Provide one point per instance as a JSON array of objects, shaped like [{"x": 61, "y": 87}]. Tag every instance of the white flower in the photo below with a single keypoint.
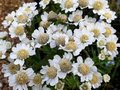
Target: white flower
[
  {"x": 3, "y": 34},
  {"x": 69, "y": 5},
  {"x": 64, "y": 64},
  {"x": 41, "y": 37},
  {"x": 59, "y": 39},
  {"x": 84, "y": 37},
  {"x": 8, "y": 19},
  {"x": 101, "y": 42},
  {"x": 112, "y": 45},
  {"x": 50, "y": 74},
  {"x": 17, "y": 30},
  {"x": 19, "y": 80},
  {"x": 109, "y": 30},
  {"x": 98, "y": 6},
  {"x": 84, "y": 69},
  {"x": 101, "y": 56},
  {"x": 22, "y": 51},
  {"x": 4, "y": 46},
  {"x": 10, "y": 69},
  {"x": 85, "y": 86},
  {"x": 108, "y": 15},
  {"x": 36, "y": 82},
  {"x": 44, "y": 3},
  {"x": 96, "y": 80},
  {"x": 106, "y": 78},
  {"x": 75, "y": 17},
  {"x": 97, "y": 28}
]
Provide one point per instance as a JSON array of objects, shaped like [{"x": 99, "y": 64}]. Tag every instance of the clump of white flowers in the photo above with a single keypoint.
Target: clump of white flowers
[{"x": 47, "y": 44}]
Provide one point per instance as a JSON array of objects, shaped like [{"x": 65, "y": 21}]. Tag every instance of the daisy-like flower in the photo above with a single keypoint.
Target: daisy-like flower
[
  {"x": 69, "y": 5},
  {"x": 106, "y": 78},
  {"x": 19, "y": 80},
  {"x": 44, "y": 3},
  {"x": 36, "y": 82},
  {"x": 10, "y": 69},
  {"x": 84, "y": 37},
  {"x": 109, "y": 30},
  {"x": 4, "y": 46},
  {"x": 26, "y": 13},
  {"x": 50, "y": 74},
  {"x": 41, "y": 37},
  {"x": 59, "y": 39},
  {"x": 101, "y": 42},
  {"x": 86, "y": 22},
  {"x": 17, "y": 30},
  {"x": 98, "y": 6},
  {"x": 21, "y": 17},
  {"x": 97, "y": 29},
  {"x": 108, "y": 15},
  {"x": 84, "y": 69},
  {"x": 96, "y": 80},
  {"x": 85, "y": 86},
  {"x": 30, "y": 9},
  {"x": 75, "y": 17},
  {"x": 21, "y": 52},
  {"x": 8, "y": 19},
  {"x": 64, "y": 64},
  {"x": 3, "y": 34},
  {"x": 83, "y": 3},
  {"x": 112, "y": 45}
]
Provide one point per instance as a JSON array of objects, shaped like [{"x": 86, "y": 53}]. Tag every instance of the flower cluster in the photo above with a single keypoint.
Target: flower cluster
[{"x": 62, "y": 30}]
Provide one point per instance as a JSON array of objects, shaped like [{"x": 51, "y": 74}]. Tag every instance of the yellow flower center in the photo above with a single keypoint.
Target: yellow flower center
[
  {"x": 60, "y": 41},
  {"x": 52, "y": 15},
  {"x": 111, "y": 46},
  {"x": 22, "y": 18},
  {"x": 19, "y": 30},
  {"x": 108, "y": 15},
  {"x": 71, "y": 45},
  {"x": 13, "y": 68},
  {"x": 23, "y": 54},
  {"x": 22, "y": 78},
  {"x": 83, "y": 3},
  {"x": 37, "y": 79},
  {"x": 52, "y": 72},
  {"x": 62, "y": 17},
  {"x": 65, "y": 65},
  {"x": 96, "y": 32},
  {"x": 84, "y": 38},
  {"x": 68, "y": 4},
  {"x": 43, "y": 38},
  {"x": 84, "y": 69},
  {"x": 95, "y": 79},
  {"x": 108, "y": 32},
  {"x": 98, "y": 5},
  {"x": 45, "y": 24},
  {"x": 76, "y": 18}
]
